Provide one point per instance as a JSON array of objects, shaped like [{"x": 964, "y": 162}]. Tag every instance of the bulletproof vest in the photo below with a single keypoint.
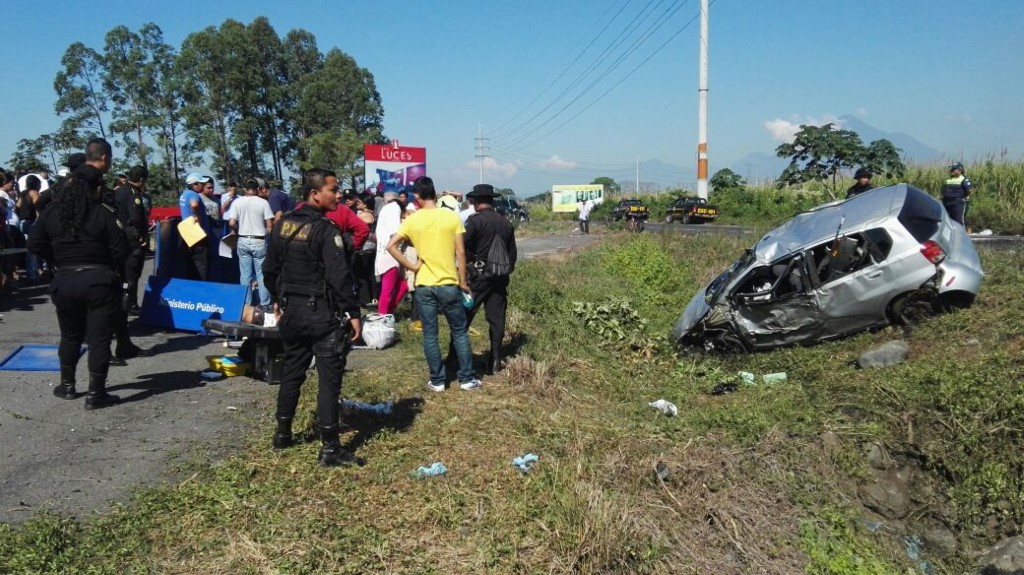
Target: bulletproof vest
[
  {"x": 302, "y": 272},
  {"x": 954, "y": 187}
]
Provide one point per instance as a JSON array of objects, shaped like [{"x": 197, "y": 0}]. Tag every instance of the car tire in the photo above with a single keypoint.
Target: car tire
[
  {"x": 910, "y": 309},
  {"x": 668, "y": 219},
  {"x": 686, "y": 219}
]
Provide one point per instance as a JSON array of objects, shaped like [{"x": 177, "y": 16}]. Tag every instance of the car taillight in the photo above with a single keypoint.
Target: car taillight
[{"x": 933, "y": 252}]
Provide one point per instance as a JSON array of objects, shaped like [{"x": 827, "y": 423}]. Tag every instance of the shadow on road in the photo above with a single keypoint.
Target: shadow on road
[{"x": 150, "y": 385}]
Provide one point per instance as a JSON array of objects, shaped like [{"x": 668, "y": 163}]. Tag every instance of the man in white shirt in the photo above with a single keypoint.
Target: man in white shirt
[
  {"x": 585, "y": 209},
  {"x": 251, "y": 218}
]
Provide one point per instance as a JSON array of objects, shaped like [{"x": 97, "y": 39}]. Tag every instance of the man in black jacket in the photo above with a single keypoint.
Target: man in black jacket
[
  {"x": 863, "y": 177},
  {"x": 487, "y": 279},
  {"x": 308, "y": 273},
  {"x": 132, "y": 213}
]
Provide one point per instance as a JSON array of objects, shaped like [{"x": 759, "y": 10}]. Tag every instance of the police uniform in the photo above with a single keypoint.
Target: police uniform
[
  {"x": 482, "y": 229},
  {"x": 132, "y": 213},
  {"x": 85, "y": 291},
  {"x": 954, "y": 197},
  {"x": 307, "y": 271},
  {"x": 858, "y": 189}
]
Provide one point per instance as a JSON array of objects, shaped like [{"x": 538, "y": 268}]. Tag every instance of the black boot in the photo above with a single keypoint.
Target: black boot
[
  {"x": 283, "y": 435},
  {"x": 128, "y": 350},
  {"x": 66, "y": 388},
  {"x": 331, "y": 452},
  {"x": 98, "y": 398},
  {"x": 496, "y": 361}
]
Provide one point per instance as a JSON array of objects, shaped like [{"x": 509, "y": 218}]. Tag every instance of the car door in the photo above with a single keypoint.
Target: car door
[
  {"x": 853, "y": 294},
  {"x": 775, "y": 306}
]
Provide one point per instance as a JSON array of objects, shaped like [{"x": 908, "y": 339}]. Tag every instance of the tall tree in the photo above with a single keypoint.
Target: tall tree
[
  {"x": 819, "y": 153},
  {"x": 882, "y": 157},
  {"x": 302, "y": 58},
  {"x": 203, "y": 67},
  {"x": 27, "y": 155},
  {"x": 79, "y": 88},
  {"x": 339, "y": 111},
  {"x": 129, "y": 78},
  {"x": 610, "y": 185},
  {"x": 726, "y": 179},
  {"x": 168, "y": 102}
]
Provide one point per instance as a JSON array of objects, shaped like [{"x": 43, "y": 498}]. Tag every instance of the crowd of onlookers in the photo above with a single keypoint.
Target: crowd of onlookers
[
  {"x": 248, "y": 212},
  {"x": 22, "y": 198}
]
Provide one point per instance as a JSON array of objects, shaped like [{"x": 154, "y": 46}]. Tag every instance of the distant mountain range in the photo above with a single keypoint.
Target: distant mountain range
[
  {"x": 760, "y": 167},
  {"x": 756, "y": 167}
]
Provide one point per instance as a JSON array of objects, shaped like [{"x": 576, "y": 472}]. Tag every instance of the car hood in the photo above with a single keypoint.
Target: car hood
[{"x": 693, "y": 313}]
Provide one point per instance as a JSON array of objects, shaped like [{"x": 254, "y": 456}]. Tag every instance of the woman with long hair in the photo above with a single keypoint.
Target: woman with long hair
[
  {"x": 26, "y": 209},
  {"x": 85, "y": 242}
]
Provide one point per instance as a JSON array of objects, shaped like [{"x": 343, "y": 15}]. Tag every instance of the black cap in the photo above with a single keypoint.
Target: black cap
[
  {"x": 863, "y": 173},
  {"x": 957, "y": 166},
  {"x": 137, "y": 174},
  {"x": 75, "y": 160}
]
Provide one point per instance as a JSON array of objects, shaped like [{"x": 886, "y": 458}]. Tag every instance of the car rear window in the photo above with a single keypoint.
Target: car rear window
[{"x": 921, "y": 214}]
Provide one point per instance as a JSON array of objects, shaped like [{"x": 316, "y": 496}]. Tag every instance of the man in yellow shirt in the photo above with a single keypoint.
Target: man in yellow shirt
[{"x": 441, "y": 282}]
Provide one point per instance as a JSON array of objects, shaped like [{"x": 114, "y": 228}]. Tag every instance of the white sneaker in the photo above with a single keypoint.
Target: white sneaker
[
  {"x": 471, "y": 384},
  {"x": 433, "y": 387}
]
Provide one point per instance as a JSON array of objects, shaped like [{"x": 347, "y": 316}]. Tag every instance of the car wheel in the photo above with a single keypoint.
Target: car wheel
[
  {"x": 686, "y": 219},
  {"x": 912, "y": 308},
  {"x": 668, "y": 219}
]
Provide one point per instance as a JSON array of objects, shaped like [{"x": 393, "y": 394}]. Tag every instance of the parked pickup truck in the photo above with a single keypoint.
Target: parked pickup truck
[
  {"x": 690, "y": 211},
  {"x": 630, "y": 208}
]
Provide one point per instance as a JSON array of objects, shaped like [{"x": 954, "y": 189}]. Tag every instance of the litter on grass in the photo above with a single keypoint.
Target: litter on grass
[
  {"x": 435, "y": 469},
  {"x": 665, "y": 407},
  {"x": 525, "y": 462}
]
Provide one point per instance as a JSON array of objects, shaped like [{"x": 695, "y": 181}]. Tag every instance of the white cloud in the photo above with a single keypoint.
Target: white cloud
[
  {"x": 556, "y": 163},
  {"x": 784, "y": 130},
  {"x": 494, "y": 170}
]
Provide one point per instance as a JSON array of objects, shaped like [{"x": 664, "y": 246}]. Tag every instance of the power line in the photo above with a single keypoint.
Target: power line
[
  {"x": 617, "y": 84},
  {"x": 593, "y": 39},
  {"x": 637, "y": 20}
]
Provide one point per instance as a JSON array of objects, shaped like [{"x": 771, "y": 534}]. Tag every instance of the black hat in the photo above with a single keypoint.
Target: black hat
[
  {"x": 863, "y": 173},
  {"x": 482, "y": 191},
  {"x": 957, "y": 166},
  {"x": 75, "y": 160}
]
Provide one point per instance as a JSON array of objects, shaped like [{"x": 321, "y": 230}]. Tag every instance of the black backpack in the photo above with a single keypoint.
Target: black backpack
[{"x": 499, "y": 264}]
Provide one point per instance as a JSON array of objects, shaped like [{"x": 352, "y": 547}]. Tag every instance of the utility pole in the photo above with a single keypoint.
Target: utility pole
[
  {"x": 702, "y": 114},
  {"x": 638, "y": 176},
  {"x": 481, "y": 148}
]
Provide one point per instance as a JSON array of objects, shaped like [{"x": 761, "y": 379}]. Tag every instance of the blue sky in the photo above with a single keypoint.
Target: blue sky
[{"x": 947, "y": 73}]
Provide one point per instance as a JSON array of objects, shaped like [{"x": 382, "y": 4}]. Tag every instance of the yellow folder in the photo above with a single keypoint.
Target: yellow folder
[{"x": 191, "y": 231}]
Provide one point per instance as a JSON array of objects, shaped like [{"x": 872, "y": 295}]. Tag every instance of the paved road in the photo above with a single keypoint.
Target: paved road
[{"x": 56, "y": 456}]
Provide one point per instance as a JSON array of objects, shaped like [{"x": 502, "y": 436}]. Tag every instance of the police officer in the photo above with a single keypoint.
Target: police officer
[
  {"x": 483, "y": 228},
  {"x": 307, "y": 271},
  {"x": 92, "y": 172},
  {"x": 132, "y": 213},
  {"x": 86, "y": 243},
  {"x": 863, "y": 177},
  {"x": 956, "y": 193}
]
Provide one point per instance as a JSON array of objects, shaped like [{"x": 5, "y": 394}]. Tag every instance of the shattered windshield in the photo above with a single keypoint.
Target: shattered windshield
[{"x": 715, "y": 288}]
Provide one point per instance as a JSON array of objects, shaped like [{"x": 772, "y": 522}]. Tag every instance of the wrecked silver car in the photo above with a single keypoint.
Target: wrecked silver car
[{"x": 890, "y": 255}]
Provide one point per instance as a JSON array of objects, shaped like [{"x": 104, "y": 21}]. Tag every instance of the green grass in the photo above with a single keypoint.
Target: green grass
[{"x": 751, "y": 489}]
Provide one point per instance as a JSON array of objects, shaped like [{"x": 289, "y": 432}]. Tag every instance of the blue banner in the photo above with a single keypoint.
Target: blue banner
[{"x": 184, "y": 304}]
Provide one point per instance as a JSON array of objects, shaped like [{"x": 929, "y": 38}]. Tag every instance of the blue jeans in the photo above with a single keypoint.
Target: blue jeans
[
  {"x": 251, "y": 253},
  {"x": 31, "y": 259},
  {"x": 432, "y": 301}
]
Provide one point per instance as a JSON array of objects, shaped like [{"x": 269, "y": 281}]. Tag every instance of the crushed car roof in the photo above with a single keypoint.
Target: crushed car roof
[{"x": 822, "y": 222}]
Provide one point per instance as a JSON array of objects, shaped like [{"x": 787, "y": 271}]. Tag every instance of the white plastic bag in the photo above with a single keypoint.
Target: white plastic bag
[{"x": 379, "y": 330}]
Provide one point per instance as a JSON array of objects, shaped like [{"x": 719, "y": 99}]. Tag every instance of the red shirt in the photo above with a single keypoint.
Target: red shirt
[{"x": 348, "y": 221}]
